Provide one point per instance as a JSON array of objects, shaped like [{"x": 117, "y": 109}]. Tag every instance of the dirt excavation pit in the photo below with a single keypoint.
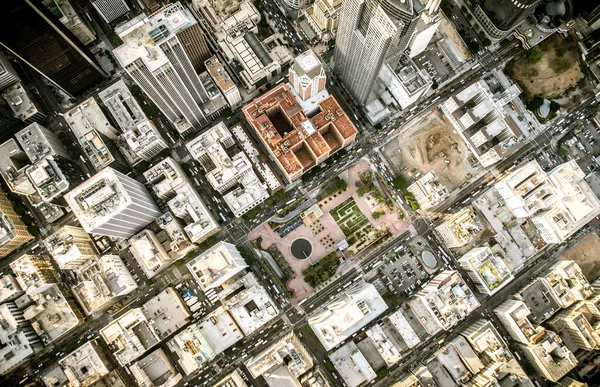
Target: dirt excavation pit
[{"x": 430, "y": 143}]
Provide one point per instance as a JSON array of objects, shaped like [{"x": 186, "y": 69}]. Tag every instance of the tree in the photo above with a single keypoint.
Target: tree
[
  {"x": 148, "y": 282},
  {"x": 279, "y": 195},
  {"x": 331, "y": 43},
  {"x": 400, "y": 182},
  {"x": 561, "y": 51},
  {"x": 486, "y": 41},
  {"x": 377, "y": 214},
  {"x": 533, "y": 55},
  {"x": 504, "y": 42},
  {"x": 562, "y": 152}
]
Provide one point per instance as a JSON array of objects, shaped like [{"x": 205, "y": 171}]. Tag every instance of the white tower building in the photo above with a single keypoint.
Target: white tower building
[
  {"x": 160, "y": 53},
  {"x": 112, "y": 204}
]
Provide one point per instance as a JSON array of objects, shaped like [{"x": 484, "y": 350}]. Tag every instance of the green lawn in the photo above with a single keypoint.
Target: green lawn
[{"x": 348, "y": 216}]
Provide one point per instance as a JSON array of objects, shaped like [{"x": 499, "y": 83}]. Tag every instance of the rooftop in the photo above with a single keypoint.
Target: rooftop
[
  {"x": 250, "y": 304},
  {"x": 216, "y": 265},
  {"x": 219, "y": 74},
  {"x": 489, "y": 270},
  {"x": 98, "y": 199},
  {"x": 84, "y": 366},
  {"x": 352, "y": 365},
  {"x": 129, "y": 336},
  {"x": 280, "y": 122},
  {"x": 9, "y": 288},
  {"x": 20, "y": 103},
  {"x": 166, "y": 312},
  {"x": 141, "y": 138},
  {"x": 142, "y": 35},
  {"x": 32, "y": 271},
  {"x": 155, "y": 369},
  {"x": 443, "y": 302},
  {"x": 51, "y": 314},
  {"x": 38, "y": 143},
  {"x": 286, "y": 356},
  {"x": 101, "y": 281},
  {"x": 149, "y": 252},
  {"x": 346, "y": 314},
  {"x": 70, "y": 247},
  {"x": 200, "y": 342},
  {"x": 122, "y": 105},
  {"x": 428, "y": 190},
  {"x": 15, "y": 345},
  {"x": 89, "y": 124}
]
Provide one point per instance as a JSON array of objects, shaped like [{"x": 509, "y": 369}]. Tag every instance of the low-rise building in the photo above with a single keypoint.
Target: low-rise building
[
  {"x": 477, "y": 113},
  {"x": 85, "y": 366},
  {"x": 488, "y": 271},
  {"x": 352, "y": 365},
  {"x": 112, "y": 204},
  {"x": 234, "y": 379},
  {"x": 428, "y": 191},
  {"x": 557, "y": 288},
  {"x": 226, "y": 172},
  {"x": 176, "y": 243},
  {"x": 18, "y": 341},
  {"x": 141, "y": 142},
  {"x": 52, "y": 312},
  {"x": 149, "y": 253},
  {"x": 33, "y": 271},
  {"x": 223, "y": 81},
  {"x": 133, "y": 333},
  {"x": 345, "y": 315},
  {"x": 386, "y": 345},
  {"x": 559, "y": 202},
  {"x": 549, "y": 356},
  {"x": 217, "y": 265},
  {"x": 70, "y": 247},
  {"x": 581, "y": 323},
  {"x": 443, "y": 302},
  {"x": 102, "y": 281},
  {"x": 122, "y": 105},
  {"x": 296, "y": 142},
  {"x": 9, "y": 288},
  {"x": 13, "y": 232},
  {"x": 155, "y": 369},
  {"x": 94, "y": 133},
  {"x": 236, "y": 33},
  {"x": 170, "y": 184},
  {"x": 459, "y": 229},
  {"x": 201, "y": 341},
  {"x": 249, "y": 304},
  {"x": 323, "y": 17},
  {"x": 258, "y": 160},
  {"x": 282, "y": 363}
]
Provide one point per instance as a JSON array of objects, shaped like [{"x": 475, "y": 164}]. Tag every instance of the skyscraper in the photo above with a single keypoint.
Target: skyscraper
[
  {"x": 13, "y": 232},
  {"x": 374, "y": 32},
  {"x": 34, "y": 35},
  {"x": 364, "y": 38},
  {"x": 163, "y": 54},
  {"x": 499, "y": 17}
]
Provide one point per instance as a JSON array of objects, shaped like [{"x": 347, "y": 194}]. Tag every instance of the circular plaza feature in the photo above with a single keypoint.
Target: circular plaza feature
[
  {"x": 429, "y": 259},
  {"x": 301, "y": 248}
]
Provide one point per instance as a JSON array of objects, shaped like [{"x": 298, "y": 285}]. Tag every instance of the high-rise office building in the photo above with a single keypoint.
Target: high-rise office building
[
  {"x": 35, "y": 36},
  {"x": 13, "y": 232},
  {"x": 110, "y": 10},
  {"x": 64, "y": 11},
  {"x": 112, "y": 204},
  {"x": 374, "y": 32},
  {"x": 163, "y": 54},
  {"x": 8, "y": 75},
  {"x": 499, "y": 17}
]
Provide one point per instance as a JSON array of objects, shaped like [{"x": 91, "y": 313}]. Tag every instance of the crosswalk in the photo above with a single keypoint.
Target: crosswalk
[{"x": 211, "y": 296}]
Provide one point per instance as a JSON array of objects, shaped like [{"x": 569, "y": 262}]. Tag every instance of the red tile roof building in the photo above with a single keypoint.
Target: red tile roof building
[{"x": 296, "y": 142}]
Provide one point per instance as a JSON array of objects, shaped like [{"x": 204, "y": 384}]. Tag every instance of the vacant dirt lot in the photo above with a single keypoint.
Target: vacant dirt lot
[
  {"x": 587, "y": 255},
  {"x": 552, "y": 75},
  {"x": 431, "y": 144}
]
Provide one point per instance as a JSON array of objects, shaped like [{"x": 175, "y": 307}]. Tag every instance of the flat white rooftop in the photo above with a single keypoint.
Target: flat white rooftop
[{"x": 347, "y": 314}]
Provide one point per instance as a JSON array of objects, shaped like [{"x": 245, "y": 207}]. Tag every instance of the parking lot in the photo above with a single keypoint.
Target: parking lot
[
  {"x": 399, "y": 271},
  {"x": 582, "y": 145},
  {"x": 199, "y": 303}
]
